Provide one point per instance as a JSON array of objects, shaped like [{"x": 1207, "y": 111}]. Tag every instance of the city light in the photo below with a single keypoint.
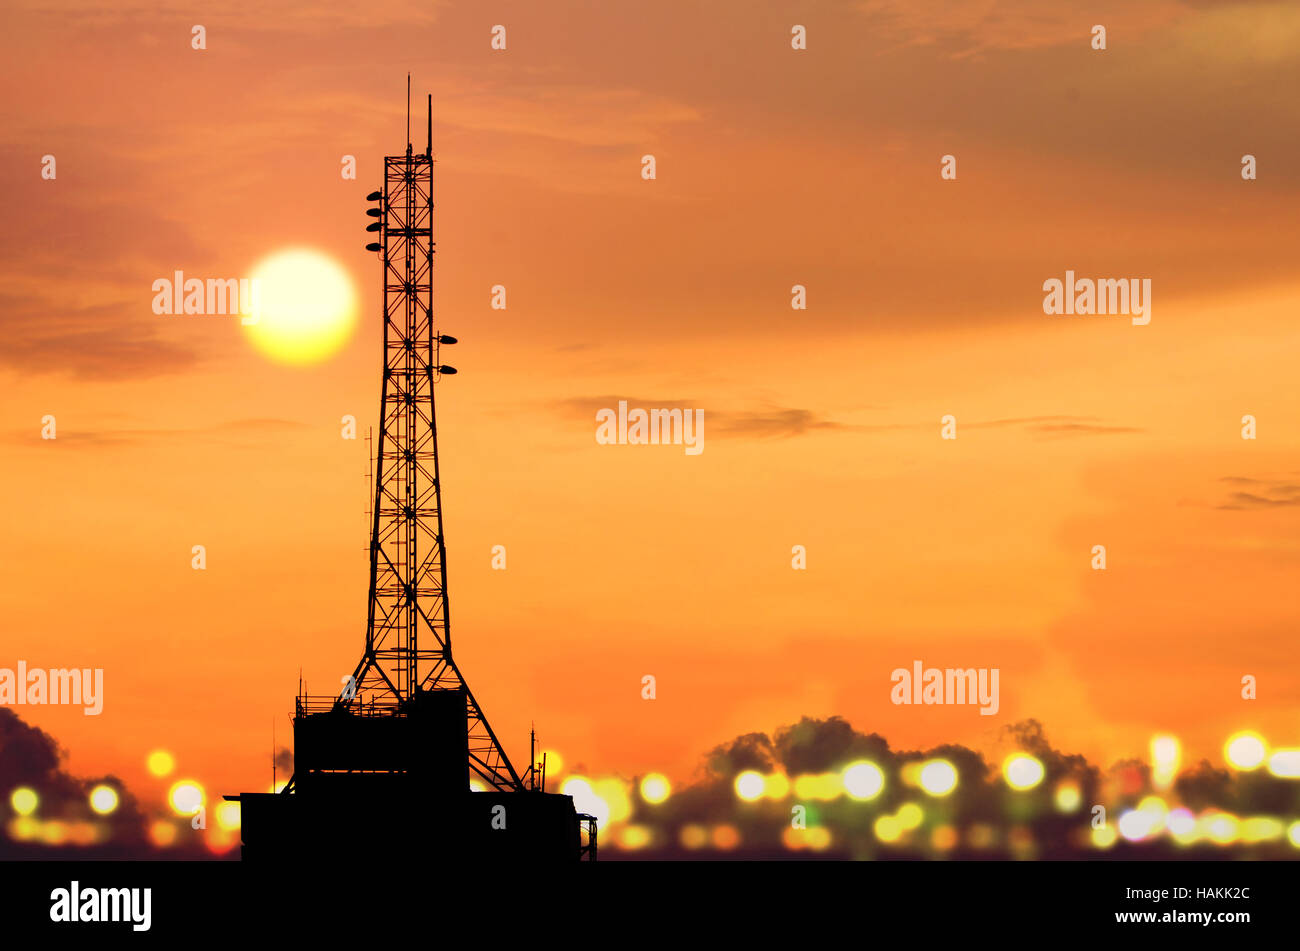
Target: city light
[
  {"x": 863, "y": 780},
  {"x": 1245, "y": 750},
  {"x": 103, "y": 799},
  {"x": 185, "y": 797},
  {"x": 938, "y": 777},
  {"x": 1022, "y": 771},
  {"x": 655, "y": 788},
  {"x": 749, "y": 786},
  {"x": 1166, "y": 753},
  {"x": 160, "y": 763},
  {"x": 24, "y": 800}
]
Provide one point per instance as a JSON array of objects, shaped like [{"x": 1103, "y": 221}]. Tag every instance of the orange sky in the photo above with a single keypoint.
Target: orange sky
[{"x": 775, "y": 167}]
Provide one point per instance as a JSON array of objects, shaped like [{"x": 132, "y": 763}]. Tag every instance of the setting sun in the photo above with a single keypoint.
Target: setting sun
[{"x": 306, "y": 307}]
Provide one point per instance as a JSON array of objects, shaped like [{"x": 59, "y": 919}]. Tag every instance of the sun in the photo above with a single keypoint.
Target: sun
[{"x": 305, "y": 307}]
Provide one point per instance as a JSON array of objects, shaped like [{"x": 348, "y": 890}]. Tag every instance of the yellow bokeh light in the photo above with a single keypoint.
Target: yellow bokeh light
[
  {"x": 24, "y": 800},
  {"x": 554, "y": 762},
  {"x": 655, "y": 788},
  {"x": 749, "y": 785},
  {"x": 307, "y": 307},
  {"x": 614, "y": 794},
  {"x": 1068, "y": 797},
  {"x": 1221, "y": 827},
  {"x": 888, "y": 829},
  {"x": 54, "y": 832},
  {"x": 162, "y": 833},
  {"x": 1261, "y": 829},
  {"x": 185, "y": 797},
  {"x": 1285, "y": 764},
  {"x": 1166, "y": 753},
  {"x": 1293, "y": 833},
  {"x": 633, "y": 837},
  {"x": 944, "y": 838},
  {"x": 938, "y": 777},
  {"x": 693, "y": 836},
  {"x": 1022, "y": 771},
  {"x": 776, "y": 786},
  {"x": 24, "y": 828},
  {"x": 586, "y": 800},
  {"x": 161, "y": 763},
  {"x": 909, "y": 816},
  {"x": 229, "y": 815},
  {"x": 863, "y": 780},
  {"x": 103, "y": 799},
  {"x": 1104, "y": 837},
  {"x": 1245, "y": 750}
]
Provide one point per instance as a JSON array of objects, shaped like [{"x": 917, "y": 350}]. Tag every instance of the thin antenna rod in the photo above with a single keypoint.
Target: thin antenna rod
[
  {"x": 428, "y": 149},
  {"x": 408, "y": 113}
]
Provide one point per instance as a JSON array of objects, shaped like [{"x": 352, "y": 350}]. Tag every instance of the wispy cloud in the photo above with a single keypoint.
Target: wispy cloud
[
  {"x": 112, "y": 438},
  {"x": 1263, "y": 494}
]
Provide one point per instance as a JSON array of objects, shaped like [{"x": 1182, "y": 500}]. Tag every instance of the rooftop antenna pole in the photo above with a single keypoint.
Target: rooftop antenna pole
[
  {"x": 408, "y": 113},
  {"x": 428, "y": 149}
]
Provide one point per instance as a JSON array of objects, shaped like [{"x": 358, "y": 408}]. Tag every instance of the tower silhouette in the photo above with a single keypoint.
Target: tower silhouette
[
  {"x": 405, "y": 732},
  {"x": 408, "y": 629}
]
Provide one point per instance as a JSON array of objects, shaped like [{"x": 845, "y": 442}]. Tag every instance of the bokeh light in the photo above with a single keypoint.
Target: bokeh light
[
  {"x": 938, "y": 777},
  {"x": 776, "y": 786},
  {"x": 863, "y": 780},
  {"x": 1166, "y": 754},
  {"x": 554, "y": 762},
  {"x": 888, "y": 829},
  {"x": 1068, "y": 797},
  {"x": 1245, "y": 750},
  {"x": 1022, "y": 771},
  {"x": 726, "y": 837},
  {"x": 24, "y": 800},
  {"x": 1104, "y": 837},
  {"x": 655, "y": 788},
  {"x": 633, "y": 837},
  {"x": 1285, "y": 764},
  {"x": 103, "y": 799},
  {"x": 749, "y": 785},
  {"x": 160, "y": 763},
  {"x": 586, "y": 800},
  {"x": 909, "y": 816},
  {"x": 693, "y": 836},
  {"x": 162, "y": 833},
  {"x": 229, "y": 815},
  {"x": 185, "y": 797}
]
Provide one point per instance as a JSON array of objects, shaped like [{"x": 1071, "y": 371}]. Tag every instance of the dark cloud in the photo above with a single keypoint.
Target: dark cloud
[{"x": 30, "y": 757}]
